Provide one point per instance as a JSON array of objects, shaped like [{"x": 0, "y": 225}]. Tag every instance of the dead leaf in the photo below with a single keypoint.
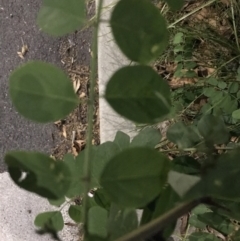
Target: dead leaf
[
  {"x": 23, "y": 51},
  {"x": 76, "y": 85},
  {"x": 64, "y": 132}
]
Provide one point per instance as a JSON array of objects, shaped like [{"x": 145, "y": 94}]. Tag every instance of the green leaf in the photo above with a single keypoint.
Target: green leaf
[
  {"x": 121, "y": 221},
  {"x": 183, "y": 136},
  {"x": 122, "y": 140},
  {"x": 75, "y": 213},
  {"x": 59, "y": 17},
  {"x": 221, "y": 180},
  {"x": 213, "y": 129},
  {"x": 178, "y": 38},
  {"x": 212, "y": 81},
  {"x": 140, "y": 32},
  {"x": 217, "y": 98},
  {"x": 186, "y": 164},
  {"x": 217, "y": 222},
  {"x": 100, "y": 157},
  {"x": 101, "y": 198},
  {"x": 236, "y": 114},
  {"x": 166, "y": 201},
  {"x": 137, "y": 88},
  {"x": 38, "y": 173},
  {"x": 233, "y": 87},
  {"x": 76, "y": 168},
  {"x": 182, "y": 183},
  {"x": 178, "y": 48},
  {"x": 200, "y": 236},
  {"x": 222, "y": 85},
  {"x": 190, "y": 65},
  {"x": 238, "y": 94},
  {"x": 42, "y": 92},
  {"x": 232, "y": 209},
  {"x": 175, "y": 4},
  {"x": 194, "y": 220},
  {"x": 135, "y": 176},
  {"x": 50, "y": 221},
  {"x": 57, "y": 202},
  {"x": 210, "y": 91},
  {"x": 97, "y": 221},
  {"x": 148, "y": 137},
  {"x": 206, "y": 109}
]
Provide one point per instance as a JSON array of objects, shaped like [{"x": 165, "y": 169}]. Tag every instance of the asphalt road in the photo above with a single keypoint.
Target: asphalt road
[{"x": 18, "y": 26}]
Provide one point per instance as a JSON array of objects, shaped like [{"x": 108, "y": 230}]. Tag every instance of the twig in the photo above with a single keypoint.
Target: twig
[
  {"x": 234, "y": 25},
  {"x": 192, "y": 12}
]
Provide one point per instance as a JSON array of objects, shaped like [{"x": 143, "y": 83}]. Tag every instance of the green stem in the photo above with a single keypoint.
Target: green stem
[
  {"x": 158, "y": 224},
  {"x": 90, "y": 113}
]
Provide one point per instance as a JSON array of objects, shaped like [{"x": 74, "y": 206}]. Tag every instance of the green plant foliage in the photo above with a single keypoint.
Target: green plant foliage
[
  {"x": 138, "y": 88},
  {"x": 59, "y": 17},
  {"x": 76, "y": 169},
  {"x": 236, "y": 114},
  {"x": 38, "y": 173},
  {"x": 122, "y": 140},
  {"x": 186, "y": 164},
  {"x": 42, "y": 92},
  {"x": 140, "y": 32},
  {"x": 75, "y": 213},
  {"x": 221, "y": 180},
  {"x": 233, "y": 88},
  {"x": 57, "y": 202},
  {"x": 121, "y": 221},
  {"x": 166, "y": 201},
  {"x": 150, "y": 173},
  {"x": 101, "y": 198},
  {"x": 182, "y": 183},
  {"x": 219, "y": 223},
  {"x": 101, "y": 155},
  {"x": 213, "y": 129},
  {"x": 182, "y": 135},
  {"x": 148, "y": 137},
  {"x": 194, "y": 220},
  {"x": 49, "y": 221},
  {"x": 97, "y": 222}
]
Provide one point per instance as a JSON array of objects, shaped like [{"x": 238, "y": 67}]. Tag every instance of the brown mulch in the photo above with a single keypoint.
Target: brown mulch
[{"x": 72, "y": 129}]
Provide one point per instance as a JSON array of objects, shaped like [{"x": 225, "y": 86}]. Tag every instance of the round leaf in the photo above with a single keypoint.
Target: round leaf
[
  {"x": 75, "y": 213},
  {"x": 236, "y": 114},
  {"x": 222, "y": 85},
  {"x": 38, "y": 173},
  {"x": 233, "y": 87},
  {"x": 140, "y": 32},
  {"x": 182, "y": 135},
  {"x": 52, "y": 221},
  {"x": 97, "y": 222},
  {"x": 59, "y": 17},
  {"x": 135, "y": 176},
  {"x": 42, "y": 92},
  {"x": 213, "y": 129},
  {"x": 141, "y": 89}
]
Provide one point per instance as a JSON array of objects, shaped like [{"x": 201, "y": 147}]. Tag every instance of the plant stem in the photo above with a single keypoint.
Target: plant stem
[
  {"x": 158, "y": 224},
  {"x": 90, "y": 113}
]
